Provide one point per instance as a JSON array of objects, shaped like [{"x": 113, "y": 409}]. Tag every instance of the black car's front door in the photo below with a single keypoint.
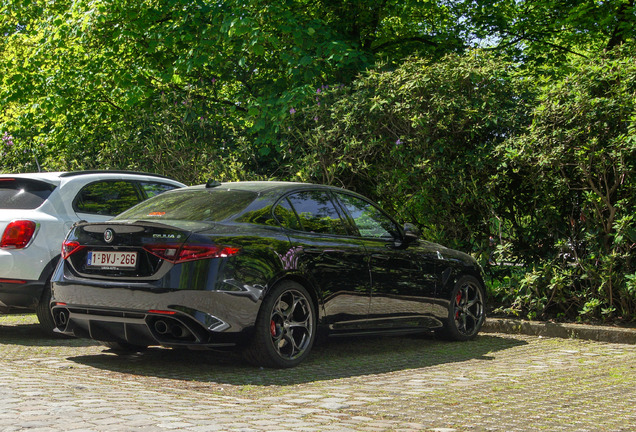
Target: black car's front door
[{"x": 402, "y": 275}]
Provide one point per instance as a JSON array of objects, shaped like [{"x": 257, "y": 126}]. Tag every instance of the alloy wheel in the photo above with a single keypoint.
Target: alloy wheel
[
  {"x": 468, "y": 309},
  {"x": 291, "y": 324}
]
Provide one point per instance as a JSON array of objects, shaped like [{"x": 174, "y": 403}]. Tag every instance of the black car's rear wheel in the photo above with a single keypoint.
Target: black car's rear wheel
[
  {"x": 466, "y": 311},
  {"x": 285, "y": 327}
]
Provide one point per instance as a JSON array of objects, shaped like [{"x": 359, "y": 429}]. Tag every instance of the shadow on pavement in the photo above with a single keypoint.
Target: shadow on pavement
[
  {"x": 335, "y": 358},
  {"x": 32, "y": 335}
]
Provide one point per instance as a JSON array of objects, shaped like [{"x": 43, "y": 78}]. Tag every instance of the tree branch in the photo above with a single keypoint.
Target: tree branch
[
  {"x": 618, "y": 34},
  {"x": 421, "y": 39}
]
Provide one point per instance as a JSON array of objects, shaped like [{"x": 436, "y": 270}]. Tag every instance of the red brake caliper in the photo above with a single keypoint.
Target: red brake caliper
[
  {"x": 458, "y": 300},
  {"x": 272, "y": 327}
]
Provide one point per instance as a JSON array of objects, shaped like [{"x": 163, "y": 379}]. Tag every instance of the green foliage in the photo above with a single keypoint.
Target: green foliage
[
  {"x": 576, "y": 163},
  {"x": 549, "y": 32},
  {"x": 532, "y": 173},
  {"x": 111, "y": 83}
]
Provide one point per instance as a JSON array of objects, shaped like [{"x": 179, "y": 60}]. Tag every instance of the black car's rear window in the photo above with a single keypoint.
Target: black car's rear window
[
  {"x": 23, "y": 194},
  {"x": 196, "y": 205}
]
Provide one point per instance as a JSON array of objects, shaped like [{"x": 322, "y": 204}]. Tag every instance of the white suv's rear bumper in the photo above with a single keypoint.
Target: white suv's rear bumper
[
  {"x": 25, "y": 263},
  {"x": 23, "y": 276}
]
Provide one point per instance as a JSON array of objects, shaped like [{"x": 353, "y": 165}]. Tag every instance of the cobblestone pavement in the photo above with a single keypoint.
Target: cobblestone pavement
[{"x": 498, "y": 382}]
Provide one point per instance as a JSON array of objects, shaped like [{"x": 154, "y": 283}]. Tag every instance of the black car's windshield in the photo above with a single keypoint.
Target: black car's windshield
[
  {"x": 23, "y": 194},
  {"x": 194, "y": 205}
]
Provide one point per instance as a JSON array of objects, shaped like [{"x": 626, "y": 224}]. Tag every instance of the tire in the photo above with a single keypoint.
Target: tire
[
  {"x": 43, "y": 311},
  {"x": 466, "y": 310},
  {"x": 285, "y": 328}
]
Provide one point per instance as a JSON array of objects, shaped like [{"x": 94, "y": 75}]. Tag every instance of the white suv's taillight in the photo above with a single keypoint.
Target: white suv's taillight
[{"x": 18, "y": 234}]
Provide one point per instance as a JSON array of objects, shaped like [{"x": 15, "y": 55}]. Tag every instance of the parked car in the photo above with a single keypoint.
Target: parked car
[
  {"x": 261, "y": 266},
  {"x": 36, "y": 212}
]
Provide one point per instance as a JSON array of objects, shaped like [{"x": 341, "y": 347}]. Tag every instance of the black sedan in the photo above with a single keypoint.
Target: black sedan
[{"x": 261, "y": 266}]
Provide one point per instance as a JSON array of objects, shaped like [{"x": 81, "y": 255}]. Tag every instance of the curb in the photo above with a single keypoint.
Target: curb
[{"x": 560, "y": 330}]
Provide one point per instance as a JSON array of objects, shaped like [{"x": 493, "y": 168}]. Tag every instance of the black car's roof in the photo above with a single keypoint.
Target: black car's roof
[{"x": 263, "y": 186}]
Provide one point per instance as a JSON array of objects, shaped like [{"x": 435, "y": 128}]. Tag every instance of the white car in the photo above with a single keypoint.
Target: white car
[{"x": 36, "y": 212}]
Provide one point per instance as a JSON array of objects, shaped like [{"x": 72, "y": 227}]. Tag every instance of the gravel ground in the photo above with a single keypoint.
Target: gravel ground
[{"x": 498, "y": 382}]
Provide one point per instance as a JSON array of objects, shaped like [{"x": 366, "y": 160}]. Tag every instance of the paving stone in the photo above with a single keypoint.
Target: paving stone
[{"x": 498, "y": 382}]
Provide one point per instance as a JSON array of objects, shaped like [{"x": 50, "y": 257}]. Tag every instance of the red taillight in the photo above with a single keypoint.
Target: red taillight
[
  {"x": 18, "y": 234},
  {"x": 176, "y": 254},
  {"x": 69, "y": 248}
]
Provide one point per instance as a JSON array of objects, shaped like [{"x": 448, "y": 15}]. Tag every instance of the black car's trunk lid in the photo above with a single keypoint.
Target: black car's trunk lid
[{"x": 127, "y": 250}]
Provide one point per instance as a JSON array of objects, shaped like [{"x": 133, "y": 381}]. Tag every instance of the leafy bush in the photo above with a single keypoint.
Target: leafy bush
[
  {"x": 577, "y": 162},
  {"x": 419, "y": 139},
  {"x": 532, "y": 171},
  {"x": 485, "y": 159}
]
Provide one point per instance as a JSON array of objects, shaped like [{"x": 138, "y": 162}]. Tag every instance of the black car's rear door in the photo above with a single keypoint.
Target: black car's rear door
[{"x": 327, "y": 253}]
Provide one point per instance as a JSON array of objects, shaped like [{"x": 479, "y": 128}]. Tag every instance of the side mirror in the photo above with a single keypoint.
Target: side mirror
[{"x": 411, "y": 232}]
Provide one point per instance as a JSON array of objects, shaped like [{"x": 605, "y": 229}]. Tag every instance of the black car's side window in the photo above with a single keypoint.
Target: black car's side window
[
  {"x": 106, "y": 197},
  {"x": 317, "y": 213},
  {"x": 369, "y": 220},
  {"x": 286, "y": 216}
]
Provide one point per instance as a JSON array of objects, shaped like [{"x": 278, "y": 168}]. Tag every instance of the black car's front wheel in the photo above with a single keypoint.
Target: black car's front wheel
[
  {"x": 466, "y": 310},
  {"x": 285, "y": 328}
]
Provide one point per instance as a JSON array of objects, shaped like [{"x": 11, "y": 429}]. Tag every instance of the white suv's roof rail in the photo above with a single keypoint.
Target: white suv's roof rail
[
  {"x": 76, "y": 173},
  {"x": 57, "y": 175}
]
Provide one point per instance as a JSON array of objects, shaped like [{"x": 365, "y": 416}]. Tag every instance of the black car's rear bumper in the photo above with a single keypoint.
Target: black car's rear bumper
[
  {"x": 143, "y": 314},
  {"x": 142, "y": 329}
]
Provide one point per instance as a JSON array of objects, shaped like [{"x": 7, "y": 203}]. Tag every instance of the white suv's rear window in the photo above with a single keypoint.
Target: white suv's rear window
[{"x": 23, "y": 194}]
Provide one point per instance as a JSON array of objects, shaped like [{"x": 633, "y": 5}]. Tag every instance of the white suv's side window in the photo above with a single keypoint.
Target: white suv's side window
[
  {"x": 107, "y": 197},
  {"x": 152, "y": 188}
]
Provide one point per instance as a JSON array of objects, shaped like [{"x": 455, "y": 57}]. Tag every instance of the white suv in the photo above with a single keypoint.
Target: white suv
[{"x": 36, "y": 212}]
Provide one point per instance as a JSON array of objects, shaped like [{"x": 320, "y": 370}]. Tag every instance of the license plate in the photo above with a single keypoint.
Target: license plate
[{"x": 114, "y": 260}]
